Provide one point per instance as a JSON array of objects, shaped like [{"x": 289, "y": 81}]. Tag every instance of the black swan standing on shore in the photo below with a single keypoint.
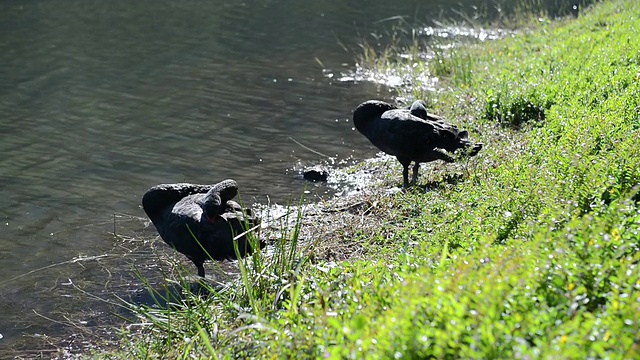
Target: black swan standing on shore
[
  {"x": 207, "y": 211},
  {"x": 408, "y": 136}
]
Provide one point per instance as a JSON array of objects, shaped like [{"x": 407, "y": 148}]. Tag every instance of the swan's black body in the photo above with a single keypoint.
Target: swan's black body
[
  {"x": 207, "y": 211},
  {"x": 413, "y": 135}
]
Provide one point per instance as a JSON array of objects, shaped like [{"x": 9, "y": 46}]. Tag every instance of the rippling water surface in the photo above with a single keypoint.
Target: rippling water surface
[{"x": 99, "y": 100}]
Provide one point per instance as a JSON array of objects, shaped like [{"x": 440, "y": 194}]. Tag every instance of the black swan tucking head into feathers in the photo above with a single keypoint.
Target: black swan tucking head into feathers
[
  {"x": 201, "y": 221},
  {"x": 411, "y": 135}
]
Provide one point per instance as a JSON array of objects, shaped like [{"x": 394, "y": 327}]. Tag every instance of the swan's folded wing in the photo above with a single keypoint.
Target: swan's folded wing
[{"x": 159, "y": 197}]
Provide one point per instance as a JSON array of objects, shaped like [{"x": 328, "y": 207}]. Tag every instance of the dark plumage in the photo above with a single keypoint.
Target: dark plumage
[
  {"x": 206, "y": 210},
  {"x": 419, "y": 109},
  {"x": 413, "y": 135}
]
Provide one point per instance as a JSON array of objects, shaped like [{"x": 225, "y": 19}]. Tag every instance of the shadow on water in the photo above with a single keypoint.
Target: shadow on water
[{"x": 170, "y": 295}]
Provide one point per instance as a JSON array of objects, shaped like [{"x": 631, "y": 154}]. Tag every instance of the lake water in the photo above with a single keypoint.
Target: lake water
[{"x": 100, "y": 100}]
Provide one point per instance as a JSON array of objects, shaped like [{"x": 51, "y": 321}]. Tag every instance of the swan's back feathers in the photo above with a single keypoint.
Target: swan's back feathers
[
  {"x": 159, "y": 197},
  {"x": 399, "y": 133},
  {"x": 410, "y": 134}
]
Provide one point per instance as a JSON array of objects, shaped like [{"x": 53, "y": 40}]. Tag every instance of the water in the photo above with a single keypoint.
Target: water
[{"x": 100, "y": 100}]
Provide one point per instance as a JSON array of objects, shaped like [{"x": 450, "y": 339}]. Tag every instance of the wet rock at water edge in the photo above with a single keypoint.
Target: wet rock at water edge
[{"x": 315, "y": 174}]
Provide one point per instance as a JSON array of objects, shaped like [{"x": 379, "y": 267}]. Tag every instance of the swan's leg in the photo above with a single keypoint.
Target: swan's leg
[
  {"x": 200, "y": 266},
  {"x": 405, "y": 170},
  {"x": 405, "y": 175},
  {"x": 414, "y": 178}
]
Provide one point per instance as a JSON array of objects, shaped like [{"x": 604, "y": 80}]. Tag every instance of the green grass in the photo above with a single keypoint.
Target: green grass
[{"x": 532, "y": 254}]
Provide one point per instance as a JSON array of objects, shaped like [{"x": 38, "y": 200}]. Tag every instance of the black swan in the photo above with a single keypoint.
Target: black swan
[
  {"x": 408, "y": 136},
  {"x": 207, "y": 211}
]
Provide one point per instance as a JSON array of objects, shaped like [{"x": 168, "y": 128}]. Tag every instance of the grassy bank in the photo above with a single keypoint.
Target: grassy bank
[{"x": 531, "y": 252}]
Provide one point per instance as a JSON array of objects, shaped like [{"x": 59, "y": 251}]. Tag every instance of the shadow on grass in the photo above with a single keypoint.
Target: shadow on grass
[{"x": 440, "y": 184}]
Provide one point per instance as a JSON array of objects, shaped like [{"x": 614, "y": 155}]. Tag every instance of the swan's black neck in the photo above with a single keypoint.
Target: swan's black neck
[
  {"x": 216, "y": 199},
  {"x": 419, "y": 109}
]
